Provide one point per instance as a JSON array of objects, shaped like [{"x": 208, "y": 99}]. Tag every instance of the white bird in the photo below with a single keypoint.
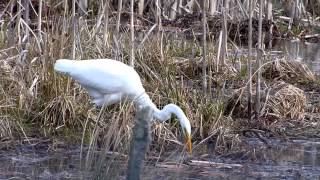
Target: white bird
[{"x": 109, "y": 81}]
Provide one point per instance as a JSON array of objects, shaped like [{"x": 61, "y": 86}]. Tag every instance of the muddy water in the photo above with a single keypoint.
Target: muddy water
[
  {"x": 27, "y": 162},
  {"x": 297, "y": 159},
  {"x": 308, "y": 53}
]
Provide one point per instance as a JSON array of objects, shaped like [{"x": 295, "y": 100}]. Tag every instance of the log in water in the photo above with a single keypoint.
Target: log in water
[{"x": 139, "y": 143}]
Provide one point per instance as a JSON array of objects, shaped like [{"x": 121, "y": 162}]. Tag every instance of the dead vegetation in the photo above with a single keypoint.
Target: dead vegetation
[
  {"x": 55, "y": 103},
  {"x": 285, "y": 101},
  {"x": 31, "y": 93},
  {"x": 291, "y": 71}
]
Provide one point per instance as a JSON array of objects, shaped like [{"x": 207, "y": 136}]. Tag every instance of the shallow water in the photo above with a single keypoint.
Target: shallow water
[
  {"x": 308, "y": 53},
  {"x": 299, "y": 159}
]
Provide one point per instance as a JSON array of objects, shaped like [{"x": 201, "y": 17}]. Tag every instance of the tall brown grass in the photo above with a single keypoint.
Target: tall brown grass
[{"x": 33, "y": 95}]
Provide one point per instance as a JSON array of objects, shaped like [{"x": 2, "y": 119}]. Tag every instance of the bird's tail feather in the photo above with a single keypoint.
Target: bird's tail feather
[{"x": 64, "y": 65}]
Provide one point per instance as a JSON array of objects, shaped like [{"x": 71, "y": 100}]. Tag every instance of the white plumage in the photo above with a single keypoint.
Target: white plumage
[{"x": 109, "y": 81}]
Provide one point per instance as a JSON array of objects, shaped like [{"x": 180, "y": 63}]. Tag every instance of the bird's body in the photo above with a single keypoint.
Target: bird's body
[
  {"x": 109, "y": 81},
  {"x": 106, "y": 80}
]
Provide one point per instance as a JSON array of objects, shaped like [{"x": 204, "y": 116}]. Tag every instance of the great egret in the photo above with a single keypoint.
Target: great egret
[{"x": 109, "y": 81}]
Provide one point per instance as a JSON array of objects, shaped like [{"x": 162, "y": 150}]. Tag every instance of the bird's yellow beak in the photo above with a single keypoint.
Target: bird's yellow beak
[{"x": 188, "y": 142}]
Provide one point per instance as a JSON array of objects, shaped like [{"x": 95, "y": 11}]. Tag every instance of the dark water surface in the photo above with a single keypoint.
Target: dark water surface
[
  {"x": 308, "y": 53},
  {"x": 298, "y": 159}
]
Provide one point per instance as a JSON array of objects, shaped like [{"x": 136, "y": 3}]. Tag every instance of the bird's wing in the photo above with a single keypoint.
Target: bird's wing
[{"x": 105, "y": 76}]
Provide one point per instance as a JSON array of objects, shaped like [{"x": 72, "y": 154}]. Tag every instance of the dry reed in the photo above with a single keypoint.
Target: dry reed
[
  {"x": 288, "y": 70},
  {"x": 285, "y": 101},
  {"x": 31, "y": 92}
]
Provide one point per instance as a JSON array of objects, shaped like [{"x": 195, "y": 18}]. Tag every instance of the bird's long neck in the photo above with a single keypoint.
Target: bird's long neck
[{"x": 160, "y": 115}]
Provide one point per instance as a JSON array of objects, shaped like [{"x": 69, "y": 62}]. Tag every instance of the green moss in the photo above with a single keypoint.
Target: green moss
[
  {"x": 211, "y": 111},
  {"x": 243, "y": 72},
  {"x": 187, "y": 51},
  {"x": 69, "y": 135},
  {"x": 72, "y": 136}
]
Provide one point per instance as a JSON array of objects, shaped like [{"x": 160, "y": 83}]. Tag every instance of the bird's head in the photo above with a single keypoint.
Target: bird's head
[
  {"x": 165, "y": 114},
  {"x": 187, "y": 136},
  {"x": 186, "y": 129}
]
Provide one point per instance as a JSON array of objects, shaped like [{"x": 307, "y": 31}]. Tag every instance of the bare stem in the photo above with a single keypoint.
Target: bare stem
[
  {"x": 204, "y": 48},
  {"x": 132, "y": 33}
]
